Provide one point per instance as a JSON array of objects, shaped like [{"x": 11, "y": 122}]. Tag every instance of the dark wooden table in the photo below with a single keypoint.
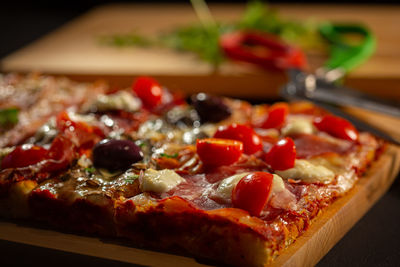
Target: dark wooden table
[{"x": 373, "y": 241}]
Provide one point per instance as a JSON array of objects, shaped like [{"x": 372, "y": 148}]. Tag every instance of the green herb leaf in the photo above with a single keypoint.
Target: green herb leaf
[
  {"x": 8, "y": 117},
  {"x": 131, "y": 179},
  {"x": 141, "y": 144},
  {"x": 203, "y": 39},
  {"x": 90, "y": 170},
  {"x": 164, "y": 155},
  {"x": 260, "y": 17}
]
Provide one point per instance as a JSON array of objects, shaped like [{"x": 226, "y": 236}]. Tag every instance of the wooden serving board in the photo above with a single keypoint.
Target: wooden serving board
[
  {"x": 326, "y": 230},
  {"x": 74, "y": 50}
]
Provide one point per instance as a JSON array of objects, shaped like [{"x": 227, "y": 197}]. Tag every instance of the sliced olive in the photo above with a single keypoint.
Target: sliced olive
[
  {"x": 116, "y": 155},
  {"x": 210, "y": 108}
]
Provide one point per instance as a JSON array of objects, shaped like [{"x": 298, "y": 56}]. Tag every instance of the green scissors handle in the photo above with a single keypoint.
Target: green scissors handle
[{"x": 344, "y": 54}]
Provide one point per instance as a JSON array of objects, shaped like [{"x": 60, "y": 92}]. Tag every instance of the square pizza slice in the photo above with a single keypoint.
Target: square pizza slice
[{"x": 208, "y": 176}]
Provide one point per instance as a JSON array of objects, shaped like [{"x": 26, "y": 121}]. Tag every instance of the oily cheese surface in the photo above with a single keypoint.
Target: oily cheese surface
[{"x": 326, "y": 230}]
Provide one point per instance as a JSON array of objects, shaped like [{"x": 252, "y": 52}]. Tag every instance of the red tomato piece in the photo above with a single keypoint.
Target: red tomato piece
[
  {"x": 23, "y": 156},
  {"x": 276, "y": 117},
  {"x": 218, "y": 152},
  {"x": 251, "y": 141},
  {"x": 337, "y": 127},
  {"x": 149, "y": 91},
  {"x": 252, "y": 192},
  {"x": 282, "y": 155}
]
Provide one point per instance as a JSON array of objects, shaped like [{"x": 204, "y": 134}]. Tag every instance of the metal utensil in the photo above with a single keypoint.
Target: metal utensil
[{"x": 322, "y": 87}]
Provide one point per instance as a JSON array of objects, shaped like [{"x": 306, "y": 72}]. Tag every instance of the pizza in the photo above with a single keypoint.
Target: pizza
[{"x": 208, "y": 176}]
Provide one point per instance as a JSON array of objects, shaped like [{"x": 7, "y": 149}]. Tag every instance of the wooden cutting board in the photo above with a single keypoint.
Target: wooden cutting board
[
  {"x": 326, "y": 230},
  {"x": 74, "y": 50}
]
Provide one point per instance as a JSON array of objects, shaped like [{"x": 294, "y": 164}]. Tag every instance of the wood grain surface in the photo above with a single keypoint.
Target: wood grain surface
[
  {"x": 327, "y": 229},
  {"x": 74, "y": 50}
]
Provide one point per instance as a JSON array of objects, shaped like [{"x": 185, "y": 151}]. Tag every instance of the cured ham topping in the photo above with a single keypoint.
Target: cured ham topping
[
  {"x": 308, "y": 146},
  {"x": 144, "y": 163}
]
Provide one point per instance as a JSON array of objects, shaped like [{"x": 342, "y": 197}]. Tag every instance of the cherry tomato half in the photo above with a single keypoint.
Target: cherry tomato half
[
  {"x": 251, "y": 141},
  {"x": 217, "y": 152},
  {"x": 23, "y": 156},
  {"x": 252, "y": 191},
  {"x": 276, "y": 117},
  {"x": 337, "y": 127},
  {"x": 149, "y": 91},
  {"x": 282, "y": 155}
]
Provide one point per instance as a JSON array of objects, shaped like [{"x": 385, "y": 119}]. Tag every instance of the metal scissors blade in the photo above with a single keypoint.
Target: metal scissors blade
[{"x": 313, "y": 88}]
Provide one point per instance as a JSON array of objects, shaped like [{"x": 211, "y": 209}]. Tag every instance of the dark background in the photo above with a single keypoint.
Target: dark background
[{"x": 374, "y": 241}]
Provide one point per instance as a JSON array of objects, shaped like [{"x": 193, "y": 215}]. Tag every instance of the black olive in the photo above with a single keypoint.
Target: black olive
[
  {"x": 210, "y": 108},
  {"x": 116, "y": 155}
]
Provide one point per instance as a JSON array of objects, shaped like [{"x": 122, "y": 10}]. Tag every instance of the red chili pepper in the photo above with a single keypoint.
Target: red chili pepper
[{"x": 262, "y": 49}]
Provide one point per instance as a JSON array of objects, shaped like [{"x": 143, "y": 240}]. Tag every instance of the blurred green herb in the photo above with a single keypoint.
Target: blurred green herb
[
  {"x": 197, "y": 39},
  {"x": 8, "y": 117},
  {"x": 140, "y": 143},
  {"x": 128, "y": 39},
  {"x": 170, "y": 156},
  {"x": 90, "y": 170},
  {"x": 131, "y": 179},
  {"x": 260, "y": 17},
  {"x": 203, "y": 38}
]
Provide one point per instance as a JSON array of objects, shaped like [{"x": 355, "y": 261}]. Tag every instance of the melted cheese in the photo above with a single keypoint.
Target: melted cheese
[
  {"x": 280, "y": 196},
  {"x": 18, "y": 199},
  {"x": 298, "y": 125},
  {"x": 277, "y": 184},
  {"x": 225, "y": 187},
  {"x": 5, "y": 151},
  {"x": 84, "y": 161},
  {"x": 308, "y": 172},
  {"x": 152, "y": 129},
  {"x": 121, "y": 100},
  {"x": 159, "y": 181}
]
